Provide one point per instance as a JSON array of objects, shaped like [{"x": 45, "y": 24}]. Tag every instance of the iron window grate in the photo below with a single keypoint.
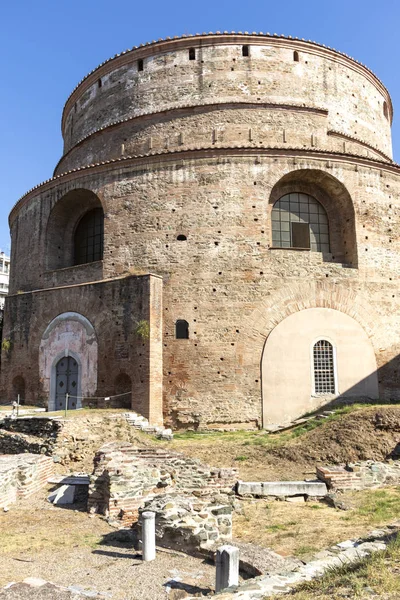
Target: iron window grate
[{"x": 324, "y": 369}]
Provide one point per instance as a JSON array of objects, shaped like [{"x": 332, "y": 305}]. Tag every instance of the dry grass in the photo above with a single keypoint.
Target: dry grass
[
  {"x": 303, "y": 529},
  {"x": 373, "y": 577}
]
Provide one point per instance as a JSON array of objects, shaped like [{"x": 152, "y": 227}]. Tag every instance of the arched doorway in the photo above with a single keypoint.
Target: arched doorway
[
  {"x": 67, "y": 375},
  {"x": 68, "y": 335},
  {"x": 123, "y": 385},
  {"x": 18, "y": 385},
  {"x": 311, "y": 359}
]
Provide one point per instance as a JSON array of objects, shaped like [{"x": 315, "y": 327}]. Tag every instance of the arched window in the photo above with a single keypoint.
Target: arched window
[
  {"x": 181, "y": 238},
  {"x": 192, "y": 54},
  {"x": 324, "y": 368},
  {"x": 88, "y": 239},
  {"x": 299, "y": 221},
  {"x": 181, "y": 330},
  {"x": 296, "y": 56},
  {"x": 245, "y": 51}
]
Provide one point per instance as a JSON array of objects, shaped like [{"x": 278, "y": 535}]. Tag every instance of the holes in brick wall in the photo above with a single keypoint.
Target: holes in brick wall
[
  {"x": 296, "y": 57},
  {"x": 140, "y": 64},
  {"x": 181, "y": 238},
  {"x": 245, "y": 51},
  {"x": 237, "y": 331},
  {"x": 216, "y": 243}
]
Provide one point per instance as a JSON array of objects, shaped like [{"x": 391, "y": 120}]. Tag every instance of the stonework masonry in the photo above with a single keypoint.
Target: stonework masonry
[
  {"x": 22, "y": 475},
  {"x": 125, "y": 477},
  {"x": 186, "y": 158}
]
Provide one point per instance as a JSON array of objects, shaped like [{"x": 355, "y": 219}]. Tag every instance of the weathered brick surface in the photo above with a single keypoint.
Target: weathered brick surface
[
  {"x": 22, "y": 475},
  {"x": 211, "y": 172},
  {"x": 124, "y": 477},
  {"x": 359, "y": 476},
  {"x": 115, "y": 307}
]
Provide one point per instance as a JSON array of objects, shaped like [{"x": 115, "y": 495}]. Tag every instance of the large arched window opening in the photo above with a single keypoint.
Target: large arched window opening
[
  {"x": 88, "y": 238},
  {"x": 335, "y": 228},
  {"x": 300, "y": 221},
  {"x": 74, "y": 233},
  {"x": 324, "y": 368}
]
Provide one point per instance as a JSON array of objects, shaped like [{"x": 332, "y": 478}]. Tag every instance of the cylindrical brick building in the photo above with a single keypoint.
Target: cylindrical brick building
[{"x": 219, "y": 237}]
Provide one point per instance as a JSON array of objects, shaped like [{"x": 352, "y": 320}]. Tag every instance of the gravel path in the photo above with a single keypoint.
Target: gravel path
[{"x": 67, "y": 547}]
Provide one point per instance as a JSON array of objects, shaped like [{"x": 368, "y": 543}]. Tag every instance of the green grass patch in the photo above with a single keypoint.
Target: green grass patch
[{"x": 375, "y": 576}]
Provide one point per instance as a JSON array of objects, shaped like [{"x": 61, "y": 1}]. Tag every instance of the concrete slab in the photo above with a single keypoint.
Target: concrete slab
[
  {"x": 282, "y": 488},
  {"x": 62, "y": 495}
]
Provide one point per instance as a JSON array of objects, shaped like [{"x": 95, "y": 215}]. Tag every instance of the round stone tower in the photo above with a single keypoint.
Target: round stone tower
[{"x": 219, "y": 240}]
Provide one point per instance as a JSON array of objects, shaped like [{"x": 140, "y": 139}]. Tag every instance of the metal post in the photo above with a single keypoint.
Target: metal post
[
  {"x": 66, "y": 404},
  {"x": 148, "y": 536},
  {"x": 227, "y": 563},
  {"x": 18, "y": 406}
]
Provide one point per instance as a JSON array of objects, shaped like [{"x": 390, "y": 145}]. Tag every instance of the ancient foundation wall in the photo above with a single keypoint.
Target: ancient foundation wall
[
  {"x": 22, "y": 475},
  {"x": 360, "y": 476},
  {"x": 125, "y": 477}
]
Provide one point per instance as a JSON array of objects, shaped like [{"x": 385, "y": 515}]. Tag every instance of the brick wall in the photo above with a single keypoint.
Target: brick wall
[
  {"x": 211, "y": 171},
  {"x": 360, "y": 476},
  {"x": 125, "y": 476},
  {"x": 22, "y": 475}
]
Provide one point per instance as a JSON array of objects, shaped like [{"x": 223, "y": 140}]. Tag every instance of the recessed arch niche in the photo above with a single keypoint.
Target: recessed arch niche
[
  {"x": 69, "y": 334},
  {"x": 287, "y": 368},
  {"x": 335, "y": 199},
  {"x": 63, "y": 221}
]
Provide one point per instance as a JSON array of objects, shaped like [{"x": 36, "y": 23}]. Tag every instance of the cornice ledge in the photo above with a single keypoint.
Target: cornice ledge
[
  {"x": 208, "y": 151},
  {"x": 142, "y": 49},
  {"x": 352, "y": 138}
]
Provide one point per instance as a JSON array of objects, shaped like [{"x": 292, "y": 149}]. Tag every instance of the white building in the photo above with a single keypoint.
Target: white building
[{"x": 4, "y": 277}]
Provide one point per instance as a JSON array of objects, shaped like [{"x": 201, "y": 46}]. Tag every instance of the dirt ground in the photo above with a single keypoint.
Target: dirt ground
[
  {"x": 359, "y": 433},
  {"x": 69, "y": 547}
]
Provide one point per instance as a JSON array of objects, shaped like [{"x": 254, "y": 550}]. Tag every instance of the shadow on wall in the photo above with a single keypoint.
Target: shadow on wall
[
  {"x": 316, "y": 357},
  {"x": 387, "y": 379}
]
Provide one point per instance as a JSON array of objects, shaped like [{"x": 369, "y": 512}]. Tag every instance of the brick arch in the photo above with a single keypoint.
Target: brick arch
[
  {"x": 295, "y": 297},
  {"x": 333, "y": 195},
  {"x": 61, "y": 225},
  {"x": 69, "y": 334},
  {"x": 289, "y": 368}
]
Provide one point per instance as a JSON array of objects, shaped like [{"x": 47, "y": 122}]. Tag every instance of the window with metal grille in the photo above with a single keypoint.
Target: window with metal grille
[
  {"x": 300, "y": 221},
  {"x": 89, "y": 237},
  {"x": 324, "y": 368}
]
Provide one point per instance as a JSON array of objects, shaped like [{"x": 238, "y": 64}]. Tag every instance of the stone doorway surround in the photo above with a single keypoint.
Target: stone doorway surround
[{"x": 69, "y": 335}]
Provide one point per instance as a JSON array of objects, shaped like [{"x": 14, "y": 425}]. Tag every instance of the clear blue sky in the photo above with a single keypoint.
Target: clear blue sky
[{"x": 47, "y": 46}]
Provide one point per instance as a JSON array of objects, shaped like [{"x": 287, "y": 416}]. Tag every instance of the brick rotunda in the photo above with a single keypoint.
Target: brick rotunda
[{"x": 219, "y": 238}]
